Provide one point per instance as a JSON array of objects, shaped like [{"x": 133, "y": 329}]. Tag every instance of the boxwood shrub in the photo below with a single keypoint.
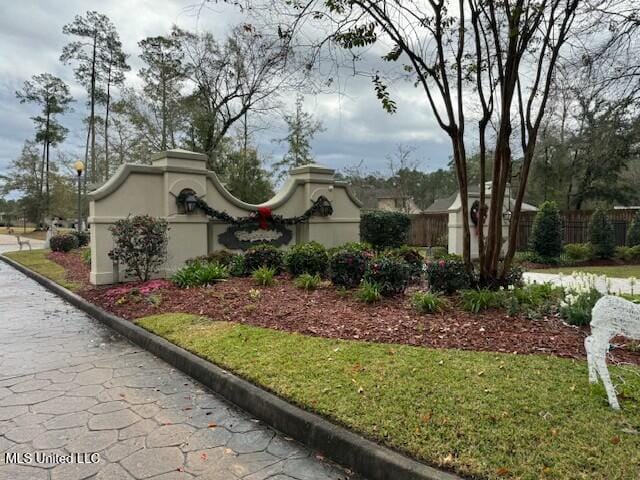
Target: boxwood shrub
[
  {"x": 347, "y": 267},
  {"x": 309, "y": 257},
  {"x": 384, "y": 229},
  {"x": 63, "y": 242},
  {"x": 263, "y": 256},
  {"x": 389, "y": 272}
]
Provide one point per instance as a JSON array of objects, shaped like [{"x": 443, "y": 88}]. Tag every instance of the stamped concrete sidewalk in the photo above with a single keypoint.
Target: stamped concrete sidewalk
[{"x": 70, "y": 385}]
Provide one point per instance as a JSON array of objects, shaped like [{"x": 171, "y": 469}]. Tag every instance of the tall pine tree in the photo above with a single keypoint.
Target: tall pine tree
[{"x": 52, "y": 95}]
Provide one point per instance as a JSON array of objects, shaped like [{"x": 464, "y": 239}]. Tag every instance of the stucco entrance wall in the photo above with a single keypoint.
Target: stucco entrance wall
[{"x": 153, "y": 190}]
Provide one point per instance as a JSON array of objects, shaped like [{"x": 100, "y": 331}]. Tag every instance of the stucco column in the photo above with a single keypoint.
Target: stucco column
[
  {"x": 456, "y": 231},
  {"x": 341, "y": 227},
  {"x": 187, "y": 232}
]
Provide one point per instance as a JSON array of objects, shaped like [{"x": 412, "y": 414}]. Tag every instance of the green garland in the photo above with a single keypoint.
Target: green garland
[{"x": 255, "y": 217}]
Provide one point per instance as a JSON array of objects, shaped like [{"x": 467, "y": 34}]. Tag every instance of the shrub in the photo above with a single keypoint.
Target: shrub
[
  {"x": 86, "y": 256},
  {"x": 221, "y": 257},
  {"x": 534, "y": 299},
  {"x": 413, "y": 258},
  {"x": 623, "y": 253},
  {"x": 353, "y": 247},
  {"x": 347, "y": 267},
  {"x": 628, "y": 254},
  {"x": 196, "y": 274},
  {"x": 384, "y": 229},
  {"x": 236, "y": 266},
  {"x": 306, "y": 281},
  {"x": 391, "y": 274},
  {"x": 63, "y": 242},
  {"x": 439, "y": 253},
  {"x": 546, "y": 235},
  {"x": 447, "y": 276},
  {"x": 601, "y": 234},
  {"x": 263, "y": 256},
  {"x": 481, "y": 299},
  {"x": 140, "y": 242},
  {"x": 633, "y": 235},
  {"x": 579, "y": 252},
  {"x": 369, "y": 292},
  {"x": 264, "y": 276},
  {"x": 524, "y": 256},
  {"x": 513, "y": 277},
  {"x": 83, "y": 237},
  {"x": 428, "y": 302},
  {"x": 535, "y": 258},
  {"x": 309, "y": 257},
  {"x": 577, "y": 305}
]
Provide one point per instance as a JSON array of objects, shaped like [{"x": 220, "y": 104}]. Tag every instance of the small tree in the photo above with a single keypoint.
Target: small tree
[
  {"x": 302, "y": 128},
  {"x": 140, "y": 243},
  {"x": 633, "y": 235},
  {"x": 546, "y": 236},
  {"x": 601, "y": 234}
]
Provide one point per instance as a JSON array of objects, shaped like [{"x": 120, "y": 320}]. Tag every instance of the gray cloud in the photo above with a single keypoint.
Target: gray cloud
[{"x": 356, "y": 126}]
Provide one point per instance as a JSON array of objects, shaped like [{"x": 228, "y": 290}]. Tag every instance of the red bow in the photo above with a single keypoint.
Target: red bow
[{"x": 264, "y": 214}]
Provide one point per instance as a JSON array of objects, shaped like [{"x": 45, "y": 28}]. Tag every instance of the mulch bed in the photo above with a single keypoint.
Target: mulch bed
[
  {"x": 326, "y": 312},
  {"x": 77, "y": 270}
]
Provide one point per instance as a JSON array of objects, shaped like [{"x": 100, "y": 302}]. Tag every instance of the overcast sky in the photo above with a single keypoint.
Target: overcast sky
[{"x": 31, "y": 41}]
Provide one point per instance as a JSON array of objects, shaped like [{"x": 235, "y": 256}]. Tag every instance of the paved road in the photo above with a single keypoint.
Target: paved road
[{"x": 70, "y": 385}]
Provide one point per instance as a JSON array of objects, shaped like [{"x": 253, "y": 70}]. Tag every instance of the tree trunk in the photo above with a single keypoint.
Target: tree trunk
[
  {"x": 92, "y": 120},
  {"x": 106, "y": 126},
  {"x": 41, "y": 183},
  {"x": 163, "y": 145},
  {"x": 48, "y": 197},
  {"x": 460, "y": 161},
  {"x": 47, "y": 137}
]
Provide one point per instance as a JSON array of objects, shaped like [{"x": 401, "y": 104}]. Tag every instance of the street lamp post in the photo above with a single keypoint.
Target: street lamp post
[{"x": 79, "y": 167}]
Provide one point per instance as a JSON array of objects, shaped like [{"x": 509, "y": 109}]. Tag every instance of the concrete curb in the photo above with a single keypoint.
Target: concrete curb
[{"x": 337, "y": 443}]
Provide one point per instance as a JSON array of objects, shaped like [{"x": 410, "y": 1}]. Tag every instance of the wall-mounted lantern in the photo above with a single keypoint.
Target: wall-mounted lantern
[
  {"x": 323, "y": 206},
  {"x": 188, "y": 200}
]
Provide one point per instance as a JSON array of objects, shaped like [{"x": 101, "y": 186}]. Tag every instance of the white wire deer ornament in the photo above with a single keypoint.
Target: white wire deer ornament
[{"x": 611, "y": 316}]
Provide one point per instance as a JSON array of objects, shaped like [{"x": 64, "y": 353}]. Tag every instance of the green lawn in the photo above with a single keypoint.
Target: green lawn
[
  {"x": 485, "y": 415},
  {"x": 37, "y": 261},
  {"x": 622, "y": 271}
]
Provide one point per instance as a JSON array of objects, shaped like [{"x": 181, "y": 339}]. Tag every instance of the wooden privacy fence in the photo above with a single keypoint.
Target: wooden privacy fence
[{"x": 430, "y": 230}]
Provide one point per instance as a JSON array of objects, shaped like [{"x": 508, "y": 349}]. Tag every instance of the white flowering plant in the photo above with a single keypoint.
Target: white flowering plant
[{"x": 580, "y": 298}]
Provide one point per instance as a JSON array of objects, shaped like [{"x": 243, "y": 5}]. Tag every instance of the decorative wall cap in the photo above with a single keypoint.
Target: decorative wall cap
[
  {"x": 180, "y": 154},
  {"x": 312, "y": 168}
]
